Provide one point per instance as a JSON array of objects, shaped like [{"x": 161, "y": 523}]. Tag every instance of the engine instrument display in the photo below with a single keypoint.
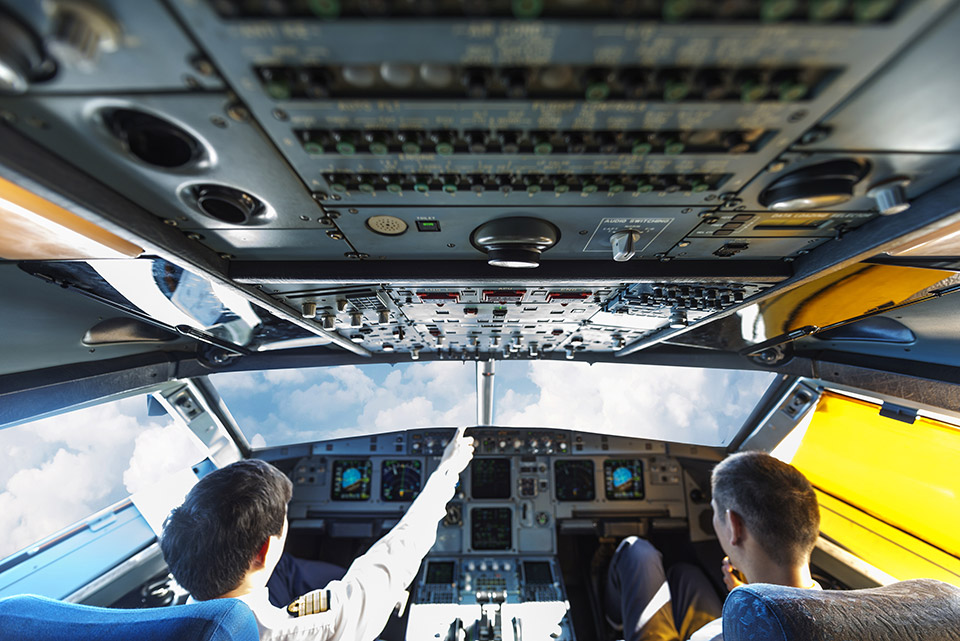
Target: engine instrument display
[
  {"x": 574, "y": 480},
  {"x": 400, "y": 480},
  {"x": 490, "y": 478},
  {"x": 439, "y": 573},
  {"x": 491, "y": 528},
  {"x": 351, "y": 480},
  {"x": 623, "y": 479}
]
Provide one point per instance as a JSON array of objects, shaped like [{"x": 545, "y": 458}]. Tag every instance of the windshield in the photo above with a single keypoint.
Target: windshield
[{"x": 682, "y": 404}]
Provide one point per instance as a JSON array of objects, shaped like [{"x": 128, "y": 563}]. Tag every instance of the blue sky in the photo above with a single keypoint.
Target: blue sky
[{"x": 671, "y": 403}]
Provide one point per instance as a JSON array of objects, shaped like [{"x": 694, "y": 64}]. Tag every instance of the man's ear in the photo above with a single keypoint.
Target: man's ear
[
  {"x": 738, "y": 528},
  {"x": 261, "y": 557}
]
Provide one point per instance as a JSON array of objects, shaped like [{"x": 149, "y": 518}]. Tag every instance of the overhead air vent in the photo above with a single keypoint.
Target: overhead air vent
[
  {"x": 819, "y": 186},
  {"x": 230, "y": 205},
  {"x": 154, "y": 140}
]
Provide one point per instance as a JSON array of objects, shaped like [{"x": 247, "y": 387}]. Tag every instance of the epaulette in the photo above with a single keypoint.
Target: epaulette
[{"x": 310, "y": 603}]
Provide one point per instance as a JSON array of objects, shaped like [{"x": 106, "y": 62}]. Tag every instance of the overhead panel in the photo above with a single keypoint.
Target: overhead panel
[{"x": 620, "y": 136}]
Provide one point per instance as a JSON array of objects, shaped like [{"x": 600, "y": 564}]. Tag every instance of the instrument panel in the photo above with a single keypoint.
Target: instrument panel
[{"x": 520, "y": 487}]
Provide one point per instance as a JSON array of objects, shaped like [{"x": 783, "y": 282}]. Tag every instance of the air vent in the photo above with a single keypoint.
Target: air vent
[{"x": 154, "y": 140}]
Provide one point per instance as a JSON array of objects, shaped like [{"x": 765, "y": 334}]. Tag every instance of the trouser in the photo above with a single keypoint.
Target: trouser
[
  {"x": 295, "y": 577},
  {"x": 654, "y": 605}
]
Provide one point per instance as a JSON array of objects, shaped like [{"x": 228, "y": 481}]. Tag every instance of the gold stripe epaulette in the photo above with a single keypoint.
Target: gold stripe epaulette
[{"x": 310, "y": 603}]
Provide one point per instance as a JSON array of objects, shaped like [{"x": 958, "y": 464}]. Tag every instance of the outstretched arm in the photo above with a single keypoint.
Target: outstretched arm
[{"x": 372, "y": 586}]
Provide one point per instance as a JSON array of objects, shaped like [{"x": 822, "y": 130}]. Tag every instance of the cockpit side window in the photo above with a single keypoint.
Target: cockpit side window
[{"x": 58, "y": 471}]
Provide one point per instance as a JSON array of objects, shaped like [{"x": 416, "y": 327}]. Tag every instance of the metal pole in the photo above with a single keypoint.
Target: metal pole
[{"x": 485, "y": 373}]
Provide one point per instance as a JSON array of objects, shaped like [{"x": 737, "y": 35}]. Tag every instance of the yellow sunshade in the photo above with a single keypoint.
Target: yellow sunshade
[
  {"x": 32, "y": 228},
  {"x": 888, "y": 489}
]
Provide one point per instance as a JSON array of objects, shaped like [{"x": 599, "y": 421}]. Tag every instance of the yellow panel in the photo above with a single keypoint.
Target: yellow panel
[
  {"x": 895, "y": 552},
  {"x": 845, "y": 294},
  {"x": 32, "y": 228},
  {"x": 904, "y": 474}
]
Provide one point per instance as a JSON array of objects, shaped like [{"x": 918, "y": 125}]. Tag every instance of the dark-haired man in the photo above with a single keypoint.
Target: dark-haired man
[
  {"x": 227, "y": 537},
  {"x": 766, "y": 516}
]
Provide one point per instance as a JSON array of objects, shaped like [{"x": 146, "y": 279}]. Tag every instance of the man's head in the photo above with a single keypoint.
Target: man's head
[
  {"x": 772, "y": 500},
  {"x": 211, "y": 541}
]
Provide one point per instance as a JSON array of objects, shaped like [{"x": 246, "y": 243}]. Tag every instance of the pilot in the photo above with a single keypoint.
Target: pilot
[
  {"x": 766, "y": 517},
  {"x": 227, "y": 537}
]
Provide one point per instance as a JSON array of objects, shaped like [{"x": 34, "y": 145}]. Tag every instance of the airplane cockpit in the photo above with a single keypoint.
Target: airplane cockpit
[{"x": 616, "y": 241}]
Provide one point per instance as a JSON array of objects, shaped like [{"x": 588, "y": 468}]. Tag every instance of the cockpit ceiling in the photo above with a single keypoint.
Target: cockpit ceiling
[{"x": 578, "y": 184}]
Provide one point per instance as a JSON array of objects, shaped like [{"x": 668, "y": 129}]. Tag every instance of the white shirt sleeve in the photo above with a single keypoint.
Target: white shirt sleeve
[
  {"x": 713, "y": 631},
  {"x": 361, "y": 602}
]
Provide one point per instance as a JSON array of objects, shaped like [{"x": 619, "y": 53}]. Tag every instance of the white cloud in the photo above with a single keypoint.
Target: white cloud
[
  {"x": 669, "y": 403},
  {"x": 158, "y": 451}
]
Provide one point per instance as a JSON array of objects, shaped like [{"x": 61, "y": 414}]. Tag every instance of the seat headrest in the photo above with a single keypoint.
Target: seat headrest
[
  {"x": 41, "y": 619},
  {"x": 917, "y": 610}
]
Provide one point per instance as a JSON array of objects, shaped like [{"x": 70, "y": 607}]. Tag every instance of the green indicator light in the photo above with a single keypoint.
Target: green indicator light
[
  {"x": 672, "y": 148},
  {"x": 616, "y": 188},
  {"x": 675, "y": 90},
  {"x": 543, "y": 149},
  {"x": 597, "y": 91},
  {"x": 527, "y": 8},
  {"x": 822, "y": 10},
  {"x": 589, "y": 188},
  {"x": 313, "y": 148},
  {"x": 325, "y": 8},
  {"x": 777, "y": 10},
  {"x": 346, "y": 148},
  {"x": 338, "y": 187},
  {"x": 642, "y": 149},
  {"x": 676, "y": 10},
  {"x": 752, "y": 91},
  {"x": 871, "y": 10},
  {"x": 378, "y": 148},
  {"x": 561, "y": 189},
  {"x": 450, "y": 188},
  {"x": 394, "y": 188},
  {"x": 421, "y": 187},
  {"x": 533, "y": 189},
  {"x": 644, "y": 188},
  {"x": 366, "y": 188},
  {"x": 278, "y": 90},
  {"x": 410, "y": 148},
  {"x": 792, "y": 91},
  {"x": 698, "y": 187},
  {"x": 445, "y": 148}
]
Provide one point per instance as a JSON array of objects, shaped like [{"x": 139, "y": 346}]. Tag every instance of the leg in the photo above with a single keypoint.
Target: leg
[
  {"x": 695, "y": 602},
  {"x": 294, "y": 577},
  {"x": 638, "y": 594}
]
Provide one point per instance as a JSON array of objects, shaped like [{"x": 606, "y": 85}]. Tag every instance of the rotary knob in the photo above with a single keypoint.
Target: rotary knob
[
  {"x": 624, "y": 244},
  {"x": 22, "y": 58}
]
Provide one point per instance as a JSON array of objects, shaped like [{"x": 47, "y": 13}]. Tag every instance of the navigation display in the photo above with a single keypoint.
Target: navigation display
[
  {"x": 490, "y": 478},
  {"x": 491, "y": 528},
  {"x": 574, "y": 480},
  {"x": 351, "y": 480},
  {"x": 400, "y": 480},
  {"x": 439, "y": 572},
  {"x": 623, "y": 479}
]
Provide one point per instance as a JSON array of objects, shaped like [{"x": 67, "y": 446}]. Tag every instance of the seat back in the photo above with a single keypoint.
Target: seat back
[
  {"x": 38, "y": 618},
  {"x": 917, "y": 610}
]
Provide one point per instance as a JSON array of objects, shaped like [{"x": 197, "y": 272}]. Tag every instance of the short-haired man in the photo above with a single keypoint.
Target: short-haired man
[
  {"x": 227, "y": 537},
  {"x": 766, "y": 516}
]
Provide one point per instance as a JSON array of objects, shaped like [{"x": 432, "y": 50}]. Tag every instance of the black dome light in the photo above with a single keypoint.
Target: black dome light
[
  {"x": 819, "y": 186},
  {"x": 516, "y": 241}
]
